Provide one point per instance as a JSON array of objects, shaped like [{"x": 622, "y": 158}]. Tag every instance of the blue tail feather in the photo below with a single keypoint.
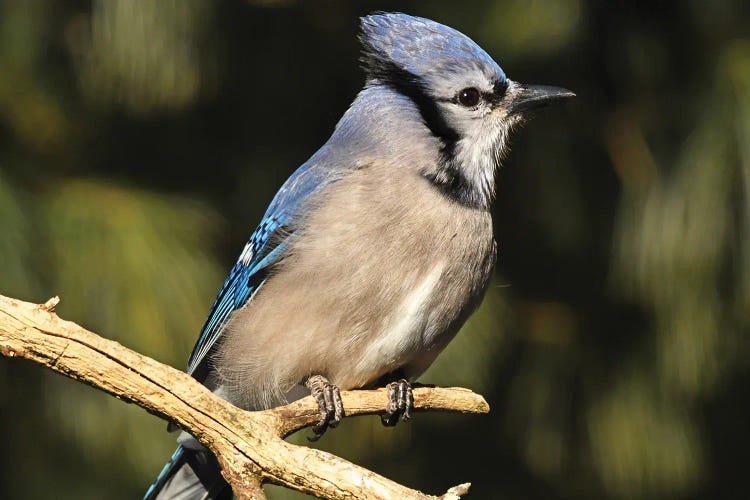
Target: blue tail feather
[{"x": 178, "y": 458}]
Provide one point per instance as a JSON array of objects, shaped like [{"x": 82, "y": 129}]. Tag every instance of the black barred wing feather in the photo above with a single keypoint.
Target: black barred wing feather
[{"x": 267, "y": 246}]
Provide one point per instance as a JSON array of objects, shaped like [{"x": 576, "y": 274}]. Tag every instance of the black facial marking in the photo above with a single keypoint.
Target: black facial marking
[
  {"x": 388, "y": 73},
  {"x": 449, "y": 179},
  {"x": 498, "y": 92},
  {"x": 453, "y": 183}
]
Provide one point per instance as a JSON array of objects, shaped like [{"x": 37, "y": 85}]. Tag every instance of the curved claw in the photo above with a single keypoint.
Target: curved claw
[
  {"x": 331, "y": 408},
  {"x": 400, "y": 403}
]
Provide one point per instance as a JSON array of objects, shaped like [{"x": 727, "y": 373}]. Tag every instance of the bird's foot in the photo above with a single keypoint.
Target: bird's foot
[
  {"x": 331, "y": 408},
  {"x": 400, "y": 403}
]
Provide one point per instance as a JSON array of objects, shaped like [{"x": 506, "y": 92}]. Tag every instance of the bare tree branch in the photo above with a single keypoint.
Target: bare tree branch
[{"x": 248, "y": 445}]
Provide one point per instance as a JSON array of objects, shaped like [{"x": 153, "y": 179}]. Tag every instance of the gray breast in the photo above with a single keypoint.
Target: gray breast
[{"x": 384, "y": 272}]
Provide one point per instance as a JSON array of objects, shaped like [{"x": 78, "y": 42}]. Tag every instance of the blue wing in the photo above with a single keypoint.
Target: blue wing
[
  {"x": 267, "y": 246},
  {"x": 245, "y": 278}
]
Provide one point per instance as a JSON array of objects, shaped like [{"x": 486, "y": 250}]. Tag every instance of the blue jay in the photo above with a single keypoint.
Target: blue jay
[{"x": 375, "y": 251}]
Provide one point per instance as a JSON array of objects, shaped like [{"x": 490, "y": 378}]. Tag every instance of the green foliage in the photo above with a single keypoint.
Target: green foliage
[
  {"x": 148, "y": 57},
  {"x": 15, "y": 245}
]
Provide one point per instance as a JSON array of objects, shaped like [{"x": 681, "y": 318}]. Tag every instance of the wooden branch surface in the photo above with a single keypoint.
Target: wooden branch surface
[{"x": 248, "y": 445}]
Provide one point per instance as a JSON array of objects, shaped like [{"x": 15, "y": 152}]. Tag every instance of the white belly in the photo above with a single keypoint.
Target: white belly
[{"x": 405, "y": 332}]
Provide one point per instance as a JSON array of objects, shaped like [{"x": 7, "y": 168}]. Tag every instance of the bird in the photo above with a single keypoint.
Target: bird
[{"x": 375, "y": 251}]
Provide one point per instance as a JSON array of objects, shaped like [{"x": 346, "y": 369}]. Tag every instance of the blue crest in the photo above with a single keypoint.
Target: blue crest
[{"x": 420, "y": 46}]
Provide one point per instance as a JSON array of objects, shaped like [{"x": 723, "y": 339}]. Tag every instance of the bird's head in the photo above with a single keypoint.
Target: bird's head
[{"x": 463, "y": 97}]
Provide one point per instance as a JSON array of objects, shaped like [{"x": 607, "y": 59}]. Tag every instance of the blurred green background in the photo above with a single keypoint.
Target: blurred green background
[{"x": 140, "y": 143}]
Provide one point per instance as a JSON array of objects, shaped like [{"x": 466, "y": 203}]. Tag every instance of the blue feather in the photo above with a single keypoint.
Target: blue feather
[
  {"x": 267, "y": 246},
  {"x": 174, "y": 464},
  {"x": 246, "y": 277}
]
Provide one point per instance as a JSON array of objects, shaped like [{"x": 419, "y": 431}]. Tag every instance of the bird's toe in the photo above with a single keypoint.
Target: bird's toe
[
  {"x": 400, "y": 403},
  {"x": 330, "y": 406}
]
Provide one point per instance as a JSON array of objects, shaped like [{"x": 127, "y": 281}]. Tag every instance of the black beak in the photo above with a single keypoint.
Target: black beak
[{"x": 528, "y": 97}]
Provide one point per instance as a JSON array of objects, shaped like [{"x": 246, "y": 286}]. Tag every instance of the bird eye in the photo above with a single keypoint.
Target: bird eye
[{"x": 468, "y": 97}]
